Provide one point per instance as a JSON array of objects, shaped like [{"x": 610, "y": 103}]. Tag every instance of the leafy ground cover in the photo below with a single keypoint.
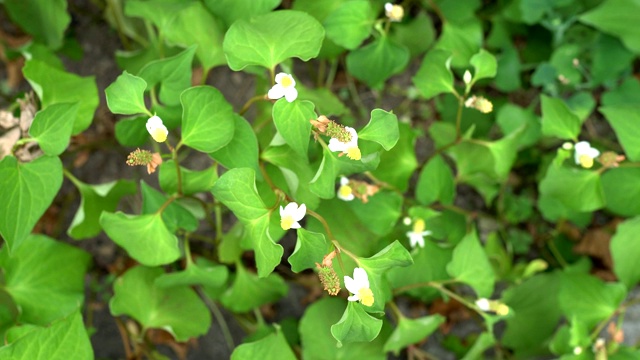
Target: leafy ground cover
[{"x": 318, "y": 179}]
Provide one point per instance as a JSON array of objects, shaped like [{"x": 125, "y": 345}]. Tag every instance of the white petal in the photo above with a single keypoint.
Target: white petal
[
  {"x": 361, "y": 278},
  {"x": 280, "y": 76},
  {"x": 290, "y": 94},
  {"x": 276, "y": 92},
  {"x": 388, "y": 7},
  {"x": 153, "y": 123},
  {"x": 300, "y": 212},
  {"x": 337, "y": 145},
  {"x": 290, "y": 209},
  {"x": 353, "y": 298},
  {"x": 343, "y": 181},
  {"x": 593, "y": 153},
  {"x": 354, "y": 137},
  {"x": 282, "y": 213},
  {"x": 582, "y": 146},
  {"x": 351, "y": 285},
  {"x": 295, "y": 225}
]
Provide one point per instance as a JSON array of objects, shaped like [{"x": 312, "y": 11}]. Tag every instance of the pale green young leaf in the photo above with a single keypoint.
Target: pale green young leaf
[
  {"x": 231, "y": 10},
  {"x": 434, "y": 76},
  {"x": 242, "y": 150},
  {"x": 44, "y": 269},
  {"x": 174, "y": 215},
  {"x": 126, "y": 95},
  {"x": 292, "y": 121},
  {"x": 323, "y": 183},
  {"x": 625, "y": 252},
  {"x": 66, "y": 339},
  {"x": 377, "y": 61},
  {"x": 269, "y": 39},
  {"x": 589, "y": 299},
  {"x": 202, "y": 272},
  {"x": 310, "y": 248},
  {"x": 621, "y": 192},
  {"x": 484, "y": 65},
  {"x": 94, "y": 199},
  {"x": 207, "y": 120},
  {"x": 350, "y": 24},
  {"x": 382, "y": 129},
  {"x": 249, "y": 291},
  {"x": 193, "y": 181},
  {"x": 172, "y": 73},
  {"x": 471, "y": 266},
  {"x": 55, "y": 86},
  {"x": 624, "y": 120},
  {"x": 412, "y": 331},
  {"x": 27, "y": 191},
  {"x": 177, "y": 310},
  {"x": 270, "y": 347},
  {"x": 46, "y": 20},
  {"x": 139, "y": 233},
  {"x": 436, "y": 183},
  {"x": 613, "y": 17},
  {"x": 52, "y": 129},
  {"x": 356, "y": 325},
  {"x": 558, "y": 120}
]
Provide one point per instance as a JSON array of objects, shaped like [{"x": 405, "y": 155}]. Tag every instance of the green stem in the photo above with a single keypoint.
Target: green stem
[
  {"x": 219, "y": 317},
  {"x": 246, "y": 106},
  {"x": 166, "y": 203}
]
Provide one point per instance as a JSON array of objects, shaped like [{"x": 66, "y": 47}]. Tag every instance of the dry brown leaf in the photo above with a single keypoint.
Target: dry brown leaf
[
  {"x": 7, "y": 120},
  {"x": 595, "y": 243},
  {"x": 8, "y": 140}
]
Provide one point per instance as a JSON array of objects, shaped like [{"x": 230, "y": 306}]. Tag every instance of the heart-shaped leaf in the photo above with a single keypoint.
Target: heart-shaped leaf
[
  {"x": 292, "y": 121},
  {"x": 52, "y": 129},
  {"x": 207, "y": 119},
  {"x": 126, "y": 95}
]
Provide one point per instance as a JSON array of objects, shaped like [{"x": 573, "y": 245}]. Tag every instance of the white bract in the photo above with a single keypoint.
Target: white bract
[
  {"x": 483, "y": 304},
  {"x": 416, "y": 236},
  {"x": 156, "y": 129},
  {"x": 394, "y": 12},
  {"x": 585, "y": 154},
  {"x": 359, "y": 287},
  {"x": 350, "y": 148},
  {"x": 285, "y": 86},
  {"x": 466, "y": 77},
  {"x": 291, "y": 214},
  {"x": 345, "y": 192}
]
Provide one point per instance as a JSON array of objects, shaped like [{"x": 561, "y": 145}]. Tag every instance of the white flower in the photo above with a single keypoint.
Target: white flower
[
  {"x": 359, "y": 287},
  {"x": 291, "y": 214},
  {"x": 285, "y": 86},
  {"x": 416, "y": 236},
  {"x": 466, "y": 77},
  {"x": 585, "y": 154},
  {"x": 350, "y": 148},
  {"x": 483, "y": 304},
  {"x": 345, "y": 192},
  {"x": 156, "y": 129},
  {"x": 394, "y": 12}
]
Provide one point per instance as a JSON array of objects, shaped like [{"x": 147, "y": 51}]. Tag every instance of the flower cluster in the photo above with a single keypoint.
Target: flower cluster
[
  {"x": 492, "y": 305},
  {"x": 156, "y": 129},
  {"x": 350, "y": 189},
  {"x": 344, "y": 139},
  {"x": 327, "y": 275},
  {"x": 479, "y": 103},
  {"x": 144, "y": 157},
  {"x": 395, "y": 13}
]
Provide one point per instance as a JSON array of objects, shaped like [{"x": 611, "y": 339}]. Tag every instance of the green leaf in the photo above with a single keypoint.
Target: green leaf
[
  {"x": 126, "y": 95},
  {"x": 177, "y": 310},
  {"x": 292, "y": 121},
  {"x": 195, "y": 25},
  {"x": 94, "y": 199},
  {"x": 377, "y": 61},
  {"x": 589, "y": 299},
  {"x": 624, "y": 120},
  {"x": 132, "y": 132},
  {"x": 44, "y": 269},
  {"x": 436, "y": 183},
  {"x": 610, "y": 59},
  {"x": 411, "y": 331},
  {"x": 66, "y": 339},
  {"x": 434, "y": 76},
  {"x": 231, "y": 10},
  {"x": 27, "y": 191},
  {"x": 296, "y": 171},
  {"x": 137, "y": 234},
  {"x": 625, "y": 252},
  {"x": 242, "y": 150},
  {"x": 356, "y": 325},
  {"x": 511, "y": 118},
  {"x": 236, "y": 189},
  {"x": 612, "y": 17},
  {"x": 382, "y": 129},
  {"x": 462, "y": 40},
  {"x": 380, "y": 213},
  {"x": 202, "y": 272},
  {"x": 405, "y": 33},
  {"x": 172, "y": 73},
  {"x": 621, "y": 191},
  {"x": 323, "y": 183},
  {"x": 51, "y": 128},
  {"x": 325, "y": 100},
  {"x": 174, "y": 216},
  {"x": 270, "y": 347},
  {"x": 350, "y": 24},
  {"x": 269, "y": 39},
  {"x": 207, "y": 120},
  {"x": 193, "y": 181},
  {"x": 558, "y": 120},
  {"x": 55, "y": 86},
  {"x": 398, "y": 164},
  {"x": 249, "y": 291},
  {"x": 46, "y": 20},
  {"x": 578, "y": 190},
  {"x": 471, "y": 266},
  {"x": 310, "y": 248},
  {"x": 482, "y": 343},
  {"x": 484, "y": 64}
]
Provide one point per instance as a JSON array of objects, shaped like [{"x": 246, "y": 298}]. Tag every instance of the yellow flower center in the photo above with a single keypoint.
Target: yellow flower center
[
  {"x": 354, "y": 153},
  {"x": 345, "y": 190},
  {"x": 484, "y": 105},
  {"x": 286, "y": 222},
  {"x": 159, "y": 135},
  {"x": 366, "y": 296},
  {"x": 418, "y": 226},
  {"x": 502, "y": 310},
  {"x": 286, "y": 81},
  {"x": 586, "y": 161},
  {"x": 396, "y": 13}
]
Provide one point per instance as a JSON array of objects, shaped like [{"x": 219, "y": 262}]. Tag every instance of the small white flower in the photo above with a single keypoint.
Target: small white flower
[
  {"x": 585, "y": 154},
  {"x": 350, "y": 148},
  {"x": 285, "y": 86},
  {"x": 345, "y": 192},
  {"x": 406, "y": 220},
  {"x": 416, "y": 236},
  {"x": 394, "y": 12},
  {"x": 483, "y": 304},
  {"x": 359, "y": 287},
  {"x": 291, "y": 214},
  {"x": 466, "y": 77},
  {"x": 156, "y": 129},
  {"x": 577, "y": 350}
]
